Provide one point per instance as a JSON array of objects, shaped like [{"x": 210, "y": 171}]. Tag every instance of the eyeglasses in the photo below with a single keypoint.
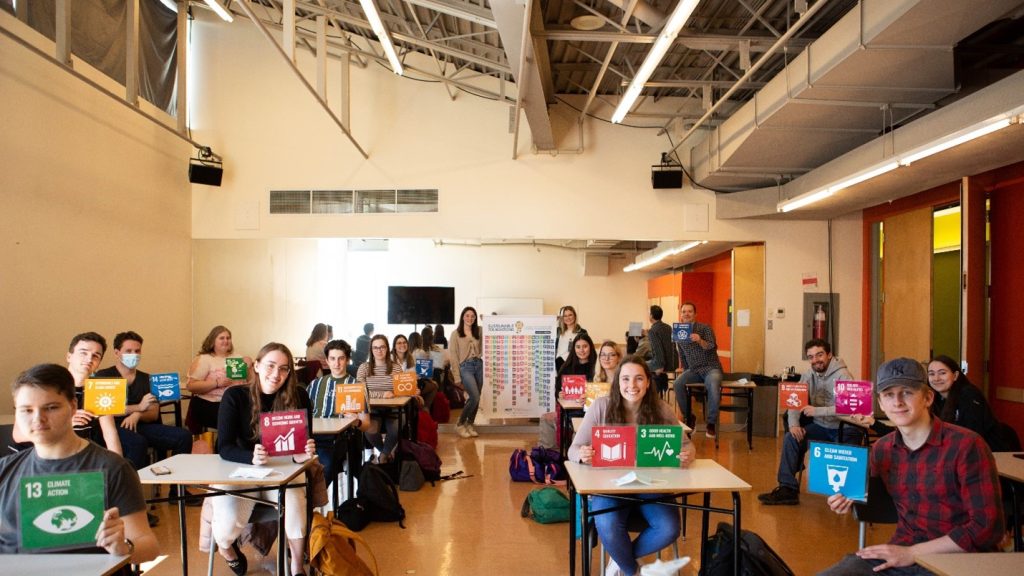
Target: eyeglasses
[
  {"x": 609, "y": 355},
  {"x": 280, "y": 369},
  {"x": 380, "y": 347}
]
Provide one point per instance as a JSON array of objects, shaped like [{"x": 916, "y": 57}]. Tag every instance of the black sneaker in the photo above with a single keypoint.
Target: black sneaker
[
  {"x": 240, "y": 565},
  {"x": 710, "y": 431},
  {"x": 781, "y": 496},
  {"x": 153, "y": 519}
]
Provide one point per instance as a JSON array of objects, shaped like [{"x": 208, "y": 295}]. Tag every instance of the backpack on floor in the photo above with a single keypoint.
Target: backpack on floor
[
  {"x": 379, "y": 495},
  {"x": 426, "y": 428},
  {"x": 551, "y": 458},
  {"x": 523, "y": 468},
  {"x": 331, "y": 552},
  {"x": 424, "y": 455},
  {"x": 441, "y": 411},
  {"x": 353, "y": 514},
  {"x": 756, "y": 557},
  {"x": 411, "y": 478},
  {"x": 546, "y": 505}
]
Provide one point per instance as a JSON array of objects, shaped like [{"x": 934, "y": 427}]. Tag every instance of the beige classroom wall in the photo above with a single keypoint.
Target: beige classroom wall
[
  {"x": 274, "y": 136},
  {"x": 96, "y": 233}
]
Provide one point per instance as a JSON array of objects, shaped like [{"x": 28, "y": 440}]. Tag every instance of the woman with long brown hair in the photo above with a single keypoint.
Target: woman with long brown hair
[
  {"x": 275, "y": 389},
  {"x": 376, "y": 373},
  {"x": 465, "y": 350}
]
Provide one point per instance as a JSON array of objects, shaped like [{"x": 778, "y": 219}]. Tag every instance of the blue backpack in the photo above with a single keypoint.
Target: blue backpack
[{"x": 540, "y": 466}]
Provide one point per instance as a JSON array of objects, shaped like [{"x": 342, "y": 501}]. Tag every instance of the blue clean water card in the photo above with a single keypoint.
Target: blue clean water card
[
  {"x": 425, "y": 368},
  {"x": 838, "y": 469},
  {"x": 165, "y": 386},
  {"x": 681, "y": 331}
]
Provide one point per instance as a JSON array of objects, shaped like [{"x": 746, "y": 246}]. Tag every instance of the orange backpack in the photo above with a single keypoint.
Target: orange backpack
[{"x": 331, "y": 549}]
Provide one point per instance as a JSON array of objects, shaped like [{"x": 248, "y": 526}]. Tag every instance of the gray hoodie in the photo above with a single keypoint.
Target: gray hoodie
[{"x": 821, "y": 393}]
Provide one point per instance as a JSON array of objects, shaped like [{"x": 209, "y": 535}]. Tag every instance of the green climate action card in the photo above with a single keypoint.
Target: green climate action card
[{"x": 61, "y": 511}]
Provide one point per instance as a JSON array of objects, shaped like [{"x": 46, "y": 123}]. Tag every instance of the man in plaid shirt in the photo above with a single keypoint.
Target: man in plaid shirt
[
  {"x": 700, "y": 357},
  {"x": 942, "y": 479}
]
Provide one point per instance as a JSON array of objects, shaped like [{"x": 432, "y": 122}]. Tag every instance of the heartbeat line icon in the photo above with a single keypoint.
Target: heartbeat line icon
[{"x": 660, "y": 453}]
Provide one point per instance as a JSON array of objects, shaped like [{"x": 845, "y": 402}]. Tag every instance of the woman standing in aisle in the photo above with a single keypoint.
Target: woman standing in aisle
[
  {"x": 632, "y": 401},
  {"x": 376, "y": 373},
  {"x": 465, "y": 351},
  {"x": 276, "y": 389},
  {"x": 568, "y": 330},
  {"x": 208, "y": 379}
]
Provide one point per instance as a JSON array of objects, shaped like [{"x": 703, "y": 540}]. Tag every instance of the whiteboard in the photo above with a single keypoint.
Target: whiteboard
[{"x": 509, "y": 306}]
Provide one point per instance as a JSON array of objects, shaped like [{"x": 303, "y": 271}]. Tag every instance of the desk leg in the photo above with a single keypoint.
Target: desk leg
[
  {"x": 750, "y": 420},
  {"x": 1018, "y": 539},
  {"x": 572, "y": 528},
  {"x": 585, "y": 554},
  {"x": 736, "y": 533},
  {"x": 282, "y": 540},
  {"x": 182, "y": 493},
  {"x": 355, "y": 450},
  {"x": 414, "y": 418},
  {"x": 563, "y": 427},
  {"x": 704, "y": 521}
]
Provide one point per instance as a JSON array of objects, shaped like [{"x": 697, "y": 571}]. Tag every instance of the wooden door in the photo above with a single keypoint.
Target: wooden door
[
  {"x": 907, "y": 285},
  {"x": 748, "y": 319}
]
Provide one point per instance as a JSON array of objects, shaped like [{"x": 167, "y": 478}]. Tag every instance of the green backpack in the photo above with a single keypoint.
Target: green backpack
[{"x": 546, "y": 505}]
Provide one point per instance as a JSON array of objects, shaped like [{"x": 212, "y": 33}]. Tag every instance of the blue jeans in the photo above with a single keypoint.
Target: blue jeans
[
  {"x": 712, "y": 384},
  {"x": 792, "y": 460},
  {"x": 853, "y": 565},
  {"x": 385, "y": 444},
  {"x": 472, "y": 373},
  {"x": 662, "y": 529},
  {"x": 153, "y": 435}
]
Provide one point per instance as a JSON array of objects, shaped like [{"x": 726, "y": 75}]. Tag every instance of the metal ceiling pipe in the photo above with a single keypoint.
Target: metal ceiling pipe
[{"x": 643, "y": 12}]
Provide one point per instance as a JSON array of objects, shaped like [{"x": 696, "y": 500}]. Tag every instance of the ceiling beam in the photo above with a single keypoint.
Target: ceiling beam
[
  {"x": 716, "y": 42},
  {"x": 461, "y": 10}
]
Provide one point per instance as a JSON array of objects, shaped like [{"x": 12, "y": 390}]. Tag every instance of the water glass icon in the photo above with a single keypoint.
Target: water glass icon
[{"x": 836, "y": 476}]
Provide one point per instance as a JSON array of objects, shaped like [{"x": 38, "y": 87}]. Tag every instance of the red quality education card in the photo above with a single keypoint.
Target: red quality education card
[
  {"x": 283, "y": 433},
  {"x": 573, "y": 386},
  {"x": 613, "y": 446}
]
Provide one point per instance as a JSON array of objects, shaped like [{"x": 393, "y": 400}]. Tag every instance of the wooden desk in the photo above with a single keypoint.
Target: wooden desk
[
  {"x": 338, "y": 427},
  {"x": 568, "y": 409},
  {"x": 50, "y": 564},
  {"x": 703, "y": 476},
  {"x": 1012, "y": 468},
  {"x": 974, "y": 564},
  {"x": 406, "y": 409},
  {"x": 200, "y": 470}
]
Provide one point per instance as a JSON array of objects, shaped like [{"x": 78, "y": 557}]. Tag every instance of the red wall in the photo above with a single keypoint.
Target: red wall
[
  {"x": 1006, "y": 332},
  {"x": 720, "y": 268}
]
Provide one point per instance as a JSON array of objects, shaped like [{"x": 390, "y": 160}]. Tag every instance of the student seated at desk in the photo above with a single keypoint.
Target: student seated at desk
[
  {"x": 322, "y": 394},
  {"x": 402, "y": 354},
  {"x": 630, "y": 403},
  {"x": 276, "y": 388},
  {"x": 376, "y": 374},
  {"x": 608, "y": 358},
  {"x": 208, "y": 379},
  {"x": 44, "y": 402}
]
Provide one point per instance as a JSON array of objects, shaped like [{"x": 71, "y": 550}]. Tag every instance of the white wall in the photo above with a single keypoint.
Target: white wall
[
  {"x": 96, "y": 220},
  {"x": 274, "y": 136}
]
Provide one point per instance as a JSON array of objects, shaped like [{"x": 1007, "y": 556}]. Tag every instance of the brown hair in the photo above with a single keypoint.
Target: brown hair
[
  {"x": 388, "y": 362},
  {"x": 207, "y": 346},
  {"x": 648, "y": 413},
  {"x": 48, "y": 377},
  {"x": 286, "y": 397}
]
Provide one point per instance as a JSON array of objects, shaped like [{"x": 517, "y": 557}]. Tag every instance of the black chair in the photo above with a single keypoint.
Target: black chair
[
  {"x": 697, "y": 391},
  {"x": 879, "y": 508}
]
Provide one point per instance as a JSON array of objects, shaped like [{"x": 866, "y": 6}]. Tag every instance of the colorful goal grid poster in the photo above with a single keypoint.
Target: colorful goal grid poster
[{"x": 519, "y": 366}]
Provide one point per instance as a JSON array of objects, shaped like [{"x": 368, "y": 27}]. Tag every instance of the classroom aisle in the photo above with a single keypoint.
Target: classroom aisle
[{"x": 472, "y": 526}]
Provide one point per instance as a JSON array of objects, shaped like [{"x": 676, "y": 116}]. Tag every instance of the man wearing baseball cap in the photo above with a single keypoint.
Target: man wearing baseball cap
[{"x": 942, "y": 479}]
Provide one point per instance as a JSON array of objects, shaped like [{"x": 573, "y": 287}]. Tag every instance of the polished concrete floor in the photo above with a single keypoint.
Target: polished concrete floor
[{"x": 472, "y": 526}]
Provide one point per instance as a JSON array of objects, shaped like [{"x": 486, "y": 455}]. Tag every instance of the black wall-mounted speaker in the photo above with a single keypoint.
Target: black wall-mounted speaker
[
  {"x": 666, "y": 177},
  {"x": 208, "y": 173}
]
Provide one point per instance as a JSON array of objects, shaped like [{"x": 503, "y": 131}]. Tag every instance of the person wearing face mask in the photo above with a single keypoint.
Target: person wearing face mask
[{"x": 140, "y": 427}]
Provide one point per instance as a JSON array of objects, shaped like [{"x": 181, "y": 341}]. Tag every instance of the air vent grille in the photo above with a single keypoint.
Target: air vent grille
[{"x": 353, "y": 201}]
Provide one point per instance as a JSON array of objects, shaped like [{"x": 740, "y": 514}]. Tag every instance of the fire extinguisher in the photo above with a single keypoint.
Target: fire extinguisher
[{"x": 819, "y": 328}]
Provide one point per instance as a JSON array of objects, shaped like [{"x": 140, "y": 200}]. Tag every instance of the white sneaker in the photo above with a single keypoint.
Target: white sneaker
[
  {"x": 472, "y": 430},
  {"x": 612, "y": 569},
  {"x": 463, "y": 431}
]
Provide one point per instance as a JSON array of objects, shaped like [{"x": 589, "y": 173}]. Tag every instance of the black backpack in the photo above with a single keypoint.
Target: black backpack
[
  {"x": 756, "y": 557},
  {"x": 378, "y": 494}
]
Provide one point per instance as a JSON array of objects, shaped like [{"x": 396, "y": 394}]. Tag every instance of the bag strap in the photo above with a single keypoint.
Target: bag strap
[{"x": 338, "y": 527}]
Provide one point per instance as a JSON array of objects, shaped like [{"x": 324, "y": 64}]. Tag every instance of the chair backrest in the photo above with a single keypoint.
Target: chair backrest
[{"x": 879, "y": 508}]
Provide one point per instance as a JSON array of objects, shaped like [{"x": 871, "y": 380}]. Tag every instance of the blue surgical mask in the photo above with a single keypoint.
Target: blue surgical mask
[{"x": 130, "y": 360}]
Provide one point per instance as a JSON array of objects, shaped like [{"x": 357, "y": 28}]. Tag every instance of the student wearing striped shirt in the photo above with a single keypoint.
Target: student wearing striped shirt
[
  {"x": 942, "y": 479},
  {"x": 322, "y": 394},
  {"x": 376, "y": 373}
]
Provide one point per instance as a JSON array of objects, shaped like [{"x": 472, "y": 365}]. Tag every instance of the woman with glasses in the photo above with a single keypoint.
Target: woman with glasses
[
  {"x": 464, "y": 349},
  {"x": 376, "y": 373},
  {"x": 275, "y": 389},
  {"x": 632, "y": 401},
  {"x": 608, "y": 358}
]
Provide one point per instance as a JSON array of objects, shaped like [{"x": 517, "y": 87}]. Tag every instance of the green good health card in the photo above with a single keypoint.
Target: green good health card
[
  {"x": 236, "y": 368},
  {"x": 61, "y": 511},
  {"x": 658, "y": 446}
]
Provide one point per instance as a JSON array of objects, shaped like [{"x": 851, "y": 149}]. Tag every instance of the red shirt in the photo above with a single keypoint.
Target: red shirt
[{"x": 948, "y": 486}]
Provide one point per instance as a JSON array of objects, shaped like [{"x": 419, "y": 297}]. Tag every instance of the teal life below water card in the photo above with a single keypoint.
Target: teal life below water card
[{"x": 60, "y": 512}]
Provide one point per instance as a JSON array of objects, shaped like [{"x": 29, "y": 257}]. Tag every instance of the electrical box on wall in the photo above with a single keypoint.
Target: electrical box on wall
[{"x": 780, "y": 313}]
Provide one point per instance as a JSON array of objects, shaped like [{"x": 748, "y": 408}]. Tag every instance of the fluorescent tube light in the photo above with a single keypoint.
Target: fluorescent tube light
[
  {"x": 864, "y": 176},
  {"x": 804, "y": 200},
  {"x": 373, "y": 16},
  {"x": 956, "y": 141},
  {"x": 659, "y": 255},
  {"x": 221, "y": 10},
  {"x": 661, "y": 46}
]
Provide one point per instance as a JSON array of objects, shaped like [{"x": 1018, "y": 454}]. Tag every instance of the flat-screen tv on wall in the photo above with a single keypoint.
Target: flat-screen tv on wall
[{"x": 421, "y": 305}]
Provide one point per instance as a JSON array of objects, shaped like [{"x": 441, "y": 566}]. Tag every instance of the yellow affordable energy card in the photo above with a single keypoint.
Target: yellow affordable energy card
[{"x": 106, "y": 395}]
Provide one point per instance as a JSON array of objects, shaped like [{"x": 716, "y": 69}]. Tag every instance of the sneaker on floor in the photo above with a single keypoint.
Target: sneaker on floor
[
  {"x": 472, "y": 430},
  {"x": 612, "y": 569},
  {"x": 781, "y": 496},
  {"x": 710, "y": 431},
  {"x": 153, "y": 519},
  {"x": 463, "y": 431}
]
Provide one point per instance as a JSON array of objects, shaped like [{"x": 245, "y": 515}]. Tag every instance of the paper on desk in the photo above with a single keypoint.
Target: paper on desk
[
  {"x": 632, "y": 476},
  {"x": 252, "y": 473},
  {"x": 660, "y": 568}
]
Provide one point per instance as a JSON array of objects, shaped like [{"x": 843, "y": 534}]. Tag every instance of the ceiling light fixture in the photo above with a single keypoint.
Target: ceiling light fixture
[
  {"x": 659, "y": 254},
  {"x": 373, "y": 15},
  {"x": 956, "y": 139},
  {"x": 661, "y": 46},
  {"x": 221, "y": 10},
  {"x": 822, "y": 193}
]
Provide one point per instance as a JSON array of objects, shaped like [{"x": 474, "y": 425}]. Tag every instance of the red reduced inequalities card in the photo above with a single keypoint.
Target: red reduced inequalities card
[
  {"x": 614, "y": 446},
  {"x": 853, "y": 397},
  {"x": 283, "y": 433},
  {"x": 573, "y": 386}
]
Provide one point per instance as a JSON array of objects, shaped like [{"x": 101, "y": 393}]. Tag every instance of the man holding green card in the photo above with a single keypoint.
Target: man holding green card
[{"x": 66, "y": 493}]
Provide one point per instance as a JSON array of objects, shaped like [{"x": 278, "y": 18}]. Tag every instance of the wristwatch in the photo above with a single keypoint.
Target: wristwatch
[{"x": 131, "y": 546}]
